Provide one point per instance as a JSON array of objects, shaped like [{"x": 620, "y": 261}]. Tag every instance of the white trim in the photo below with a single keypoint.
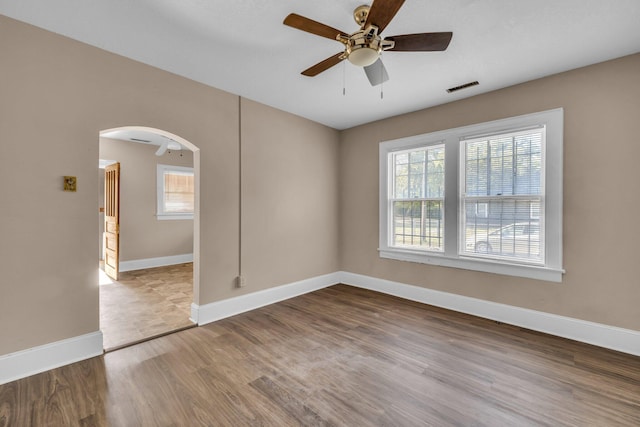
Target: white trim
[
  {"x": 476, "y": 264},
  {"x": 230, "y": 307},
  {"x": 141, "y": 264},
  {"x": 164, "y": 217},
  {"x": 611, "y": 337},
  {"x": 194, "y": 313},
  {"x": 35, "y": 360}
]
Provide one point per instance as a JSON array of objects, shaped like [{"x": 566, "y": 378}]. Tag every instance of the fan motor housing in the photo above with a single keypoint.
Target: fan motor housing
[{"x": 363, "y": 47}]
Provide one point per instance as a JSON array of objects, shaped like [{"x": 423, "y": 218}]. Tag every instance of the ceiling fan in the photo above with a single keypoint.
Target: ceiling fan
[{"x": 363, "y": 48}]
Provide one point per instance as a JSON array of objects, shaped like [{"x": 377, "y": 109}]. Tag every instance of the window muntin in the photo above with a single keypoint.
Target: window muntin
[
  {"x": 175, "y": 192},
  {"x": 503, "y": 172},
  {"x": 417, "y": 200}
]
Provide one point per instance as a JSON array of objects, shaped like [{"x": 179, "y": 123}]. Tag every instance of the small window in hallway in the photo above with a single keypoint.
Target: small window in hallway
[{"x": 175, "y": 192}]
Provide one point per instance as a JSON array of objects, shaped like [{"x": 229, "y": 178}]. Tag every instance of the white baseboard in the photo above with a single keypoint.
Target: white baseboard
[
  {"x": 611, "y": 337},
  {"x": 21, "y": 364},
  {"x": 140, "y": 264},
  {"x": 28, "y": 362},
  {"x": 194, "y": 313},
  {"x": 230, "y": 307}
]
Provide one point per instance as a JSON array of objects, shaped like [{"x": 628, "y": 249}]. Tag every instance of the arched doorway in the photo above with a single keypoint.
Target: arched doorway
[{"x": 157, "y": 238}]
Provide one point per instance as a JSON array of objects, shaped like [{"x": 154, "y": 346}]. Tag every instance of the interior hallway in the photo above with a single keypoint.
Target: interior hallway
[{"x": 145, "y": 303}]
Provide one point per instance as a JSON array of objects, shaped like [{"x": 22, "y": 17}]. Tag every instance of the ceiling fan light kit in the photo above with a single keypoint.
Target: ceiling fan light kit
[
  {"x": 363, "y": 47},
  {"x": 363, "y": 56}
]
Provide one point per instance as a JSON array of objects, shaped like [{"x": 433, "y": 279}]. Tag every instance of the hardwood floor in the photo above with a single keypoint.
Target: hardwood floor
[
  {"x": 340, "y": 356},
  {"x": 146, "y": 303}
]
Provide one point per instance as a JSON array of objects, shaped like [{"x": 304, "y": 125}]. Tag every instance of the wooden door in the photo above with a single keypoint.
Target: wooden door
[{"x": 112, "y": 219}]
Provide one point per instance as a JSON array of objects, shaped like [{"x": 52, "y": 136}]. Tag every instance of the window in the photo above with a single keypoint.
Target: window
[
  {"x": 175, "y": 192},
  {"x": 484, "y": 197},
  {"x": 417, "y": 199},
  {"x": 503, "y": 174}
]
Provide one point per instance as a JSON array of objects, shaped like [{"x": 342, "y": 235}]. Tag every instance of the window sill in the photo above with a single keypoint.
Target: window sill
[
  {"x": 488, "y": 266},
  {"x": 163, "y": 217}
]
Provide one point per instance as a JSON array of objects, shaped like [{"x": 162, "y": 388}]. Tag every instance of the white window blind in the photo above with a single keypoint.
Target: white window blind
[
  {"x": 503, "y": 178},
  {"x": 178, "y": 192},
  {"x": 175, "y": 192}
]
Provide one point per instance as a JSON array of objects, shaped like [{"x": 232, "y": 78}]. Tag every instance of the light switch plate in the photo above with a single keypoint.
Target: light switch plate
[{"x": 70, "y": 183}]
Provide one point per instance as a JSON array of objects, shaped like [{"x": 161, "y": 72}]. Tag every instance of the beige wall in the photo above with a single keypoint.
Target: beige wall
[
  {"x": 142, "y": 235},
  {"x": 290, "y": 204},
  {"x": 601, "y": 199},
  {"x": 56, "y": 96}
]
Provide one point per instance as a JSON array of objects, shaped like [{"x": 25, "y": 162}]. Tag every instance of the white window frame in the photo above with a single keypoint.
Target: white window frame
[
  {"x": 552, "y": 269},
  {"x": 160, "y": 213}
]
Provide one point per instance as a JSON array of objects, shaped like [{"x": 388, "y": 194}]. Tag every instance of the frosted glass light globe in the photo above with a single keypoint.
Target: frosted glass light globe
[{"x": 363, "y": 56}]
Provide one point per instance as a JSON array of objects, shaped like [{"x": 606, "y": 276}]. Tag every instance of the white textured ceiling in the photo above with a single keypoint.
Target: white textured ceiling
[{"x": 241, "y": 46}]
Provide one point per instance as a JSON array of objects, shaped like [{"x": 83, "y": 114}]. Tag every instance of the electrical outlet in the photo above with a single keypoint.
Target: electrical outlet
[{"x": 240, "y": 281}]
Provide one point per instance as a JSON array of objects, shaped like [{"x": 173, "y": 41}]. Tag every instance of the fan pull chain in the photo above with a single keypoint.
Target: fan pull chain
[
  {"x": 381, "y": 78},
  {"x": 344, "y": 78}
]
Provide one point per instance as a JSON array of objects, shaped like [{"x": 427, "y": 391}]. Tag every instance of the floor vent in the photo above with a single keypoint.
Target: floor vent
[{"x": 464, "y": 86}]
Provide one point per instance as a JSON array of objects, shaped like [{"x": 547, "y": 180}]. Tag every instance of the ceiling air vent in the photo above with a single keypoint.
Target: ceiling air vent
[{"x": 464, "y": 86}]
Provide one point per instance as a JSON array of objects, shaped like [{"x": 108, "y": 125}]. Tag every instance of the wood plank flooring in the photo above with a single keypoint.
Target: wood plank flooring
[
  {"x": 340, "y": 356},
  {"x": 146, "y": 303}
]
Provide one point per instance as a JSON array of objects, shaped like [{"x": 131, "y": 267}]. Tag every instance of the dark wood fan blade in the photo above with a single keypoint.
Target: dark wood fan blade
[
  {"x": 313, "y": 27},
  {"x": 376, "y": 73},
  {"x": 382, "y": 12},
  {"x": 422, "y": 42},
  {"x": 323, "y": 65}
]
